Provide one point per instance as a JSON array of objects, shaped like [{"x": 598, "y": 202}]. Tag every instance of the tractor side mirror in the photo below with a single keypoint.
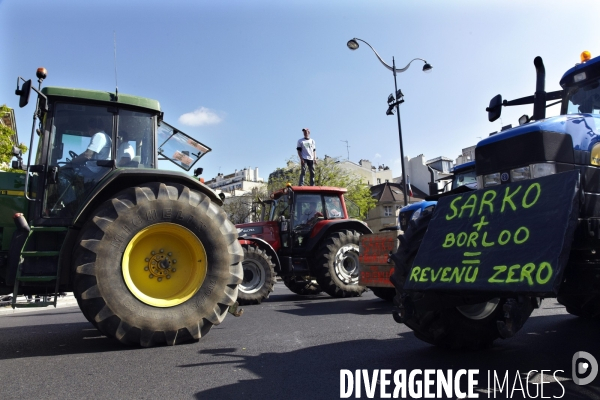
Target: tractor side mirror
[
  {"x": 24, "y": 93},
  {"x": 17, "y": 164},
  {"x": 495, "y": 108},
  {"x": 433, "y": 188}
]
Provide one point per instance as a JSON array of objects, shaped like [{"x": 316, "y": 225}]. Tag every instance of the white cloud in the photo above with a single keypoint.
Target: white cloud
[
  {"x": 199, "y": 117},
  {"x": 377, "y": 155}
]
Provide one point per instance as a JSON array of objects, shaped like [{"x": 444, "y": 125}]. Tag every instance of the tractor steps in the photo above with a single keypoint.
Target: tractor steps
[{"x": 37, "y": 278}]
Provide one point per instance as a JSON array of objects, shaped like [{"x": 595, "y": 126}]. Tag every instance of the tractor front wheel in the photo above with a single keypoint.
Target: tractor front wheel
[
  {"x": 472, "y": 326},
  {"x": 259, "y": 276},
  {"x": 158, "y": 263}
]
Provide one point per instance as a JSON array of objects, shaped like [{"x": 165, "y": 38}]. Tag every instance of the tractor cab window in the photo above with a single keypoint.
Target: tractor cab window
[
  {"x": 585, "y": 99},
  {"x": 334, "y": 207},
  {"x": 468, "y": 178},
  {"x": 179, "y": 148},
  {"x": 352, "y": 208},
  {"x": 265, "y": 210},
  {"x": 81, "y": 145},
  {"x": 308, "y": 209},
  {"x": 281, "y": 208},
  {"x": 134, "y": 140}
]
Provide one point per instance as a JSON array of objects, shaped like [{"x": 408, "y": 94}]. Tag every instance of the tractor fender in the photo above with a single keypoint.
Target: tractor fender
[
  {"x": 120, "y": 179},
  {"x": 325, "y": 228},
  {"x": 263, "y": 244}
]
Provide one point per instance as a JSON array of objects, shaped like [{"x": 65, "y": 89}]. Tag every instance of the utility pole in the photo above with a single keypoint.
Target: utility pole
[{"x": 347, "y": 148}]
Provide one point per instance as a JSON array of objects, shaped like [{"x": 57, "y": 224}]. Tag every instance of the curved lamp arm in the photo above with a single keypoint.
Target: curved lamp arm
[{"x": 383, "y": 62}]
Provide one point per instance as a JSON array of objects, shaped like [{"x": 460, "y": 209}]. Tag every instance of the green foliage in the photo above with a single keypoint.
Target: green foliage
[
  {"x": 247, "y": 208},
  {"x": 7, "y": 137},
  {"x": 361, "y": 195},
  {"x": 327, "y": 173}
]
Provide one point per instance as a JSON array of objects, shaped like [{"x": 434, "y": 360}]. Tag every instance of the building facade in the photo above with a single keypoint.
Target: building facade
[
  {"x": 390, "y": 199},
  {"x": 420, "y": 172},
  {"x": 237, "y": 183},
  {"x": 370, "y": 174}
]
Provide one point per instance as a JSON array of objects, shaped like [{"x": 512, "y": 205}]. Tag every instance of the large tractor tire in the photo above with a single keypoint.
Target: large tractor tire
[
  {"x": 336, "y": 264},
  {"x": 259, "y": 276},
  {"x": 303, "y": 286},
  {"x": 473, "y": 326},
  {"x": 384, "y": 293},
  {"x": 158, "y": 263}
]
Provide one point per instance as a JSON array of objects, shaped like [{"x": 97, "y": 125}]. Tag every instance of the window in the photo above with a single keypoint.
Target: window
[
  {"x": 280, "y": 209},
  {"x": 378, "y": 181},
  {"x": 75, "y": 129},
  {"x": 387, "y": 211},
  {"x": 134, "y": 140},
  {"x": 309, "y": 208},
  {"x": 334, "y": 207}
]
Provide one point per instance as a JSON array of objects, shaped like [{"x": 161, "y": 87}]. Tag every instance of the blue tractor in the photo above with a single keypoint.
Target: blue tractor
[{"x": 472, "y": 268}]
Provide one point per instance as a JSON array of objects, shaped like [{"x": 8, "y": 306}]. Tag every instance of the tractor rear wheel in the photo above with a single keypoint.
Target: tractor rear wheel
[
  {"x": 337, "y": 264},
  {"x": 303, "y": 286},
  {"x": 473, "y": 326},
  {"x": 259, "y": 276},
  {"x": 158, "y": 263}
]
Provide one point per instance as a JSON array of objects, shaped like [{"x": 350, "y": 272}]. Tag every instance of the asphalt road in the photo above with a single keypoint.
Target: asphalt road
[{"x": 289, "y": 347}]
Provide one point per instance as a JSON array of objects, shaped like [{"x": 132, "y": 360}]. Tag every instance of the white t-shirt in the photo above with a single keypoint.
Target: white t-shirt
[
  {"x": 101, "y": 146},
  {"x": 125, "y": 150},
  {"x": 307, "y": 147}
]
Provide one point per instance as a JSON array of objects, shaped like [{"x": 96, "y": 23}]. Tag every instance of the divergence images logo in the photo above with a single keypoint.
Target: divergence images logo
[{"x": 583, "y": 364}]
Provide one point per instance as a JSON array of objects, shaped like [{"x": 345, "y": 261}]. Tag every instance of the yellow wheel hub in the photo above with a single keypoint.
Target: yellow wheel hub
[{"x": 164, "y": 265}]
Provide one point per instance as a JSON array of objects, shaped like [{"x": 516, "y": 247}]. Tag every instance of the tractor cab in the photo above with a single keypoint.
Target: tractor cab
[
  {"x": 303, "y": 210},
  {"x": 86, "y": 136}
]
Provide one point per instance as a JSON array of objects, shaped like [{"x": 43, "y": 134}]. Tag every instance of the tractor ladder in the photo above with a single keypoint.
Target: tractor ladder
[{"x": 22, "y": 276}]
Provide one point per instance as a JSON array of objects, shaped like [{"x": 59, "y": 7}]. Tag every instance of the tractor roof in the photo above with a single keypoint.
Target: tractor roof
[
  {"x": 310, "y": 189},
  {"x": 100, "y": 96}
]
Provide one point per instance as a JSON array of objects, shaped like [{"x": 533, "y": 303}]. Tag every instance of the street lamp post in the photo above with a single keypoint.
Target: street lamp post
[{"x": 394, "y": 102}]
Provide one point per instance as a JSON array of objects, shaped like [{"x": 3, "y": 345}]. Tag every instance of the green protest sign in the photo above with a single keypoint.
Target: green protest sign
[{"x": 506, "y": 238}]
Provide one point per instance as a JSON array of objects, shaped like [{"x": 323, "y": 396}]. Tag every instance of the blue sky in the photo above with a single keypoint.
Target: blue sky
[{"x": 244, "y": 77}]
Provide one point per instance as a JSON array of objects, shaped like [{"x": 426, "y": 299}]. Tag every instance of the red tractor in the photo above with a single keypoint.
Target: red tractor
[{"x": 307, "y": 234}]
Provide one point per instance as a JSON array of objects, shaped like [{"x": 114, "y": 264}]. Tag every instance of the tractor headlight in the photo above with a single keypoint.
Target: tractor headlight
[
  {"x": 416, "y": 215},
  {"x": 520, "y": 174},
  {"x": 595, "y": 155},
  {"x": 491, "y": 179},
  {"x": 544, "y": 169},
  {"x": 532, "y": 171}
]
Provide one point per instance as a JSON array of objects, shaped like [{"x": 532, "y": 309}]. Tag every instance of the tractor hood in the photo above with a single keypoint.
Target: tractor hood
[{"x": 564, "y": 139}]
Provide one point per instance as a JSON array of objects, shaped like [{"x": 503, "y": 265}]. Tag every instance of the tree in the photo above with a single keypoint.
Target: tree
[
  {"x": 238, "y": 208},
  {"x": 327, "y": 173},
  {"x": 7, "y": 141},
  {"x": 246, "y": 208}
]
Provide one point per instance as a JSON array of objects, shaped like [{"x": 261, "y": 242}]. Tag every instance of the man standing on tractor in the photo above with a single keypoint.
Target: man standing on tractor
[{"x": 307, "y": 151}]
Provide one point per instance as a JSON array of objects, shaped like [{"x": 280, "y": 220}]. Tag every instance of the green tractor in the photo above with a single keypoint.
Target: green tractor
[{"x": 149, "y": 255}]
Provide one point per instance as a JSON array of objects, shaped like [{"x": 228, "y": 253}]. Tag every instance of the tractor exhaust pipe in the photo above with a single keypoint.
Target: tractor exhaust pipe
[
  {"x": 433, "y": 187},
  {"x": 539, "y": 102}
]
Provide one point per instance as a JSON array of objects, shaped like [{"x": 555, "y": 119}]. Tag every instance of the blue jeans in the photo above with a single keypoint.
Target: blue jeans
[{"x": 311, "y": 170}]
